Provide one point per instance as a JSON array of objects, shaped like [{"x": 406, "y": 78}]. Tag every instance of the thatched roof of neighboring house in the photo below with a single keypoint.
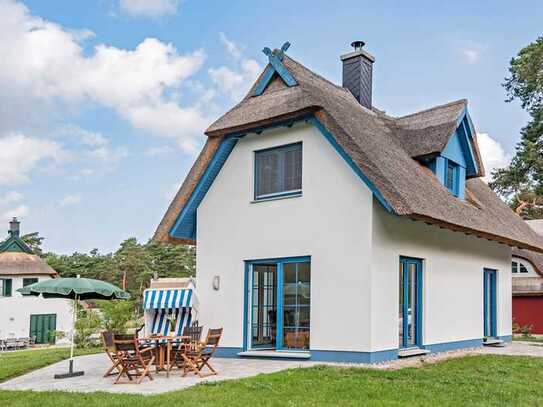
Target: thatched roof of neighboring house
[
  {"x": 17, "y": 258},
  {"x": 23, "y": 264},
  {"x": 381, "y": 146}
]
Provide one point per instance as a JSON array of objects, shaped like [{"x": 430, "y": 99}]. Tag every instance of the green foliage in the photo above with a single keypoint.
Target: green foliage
[
  {"x": 34, "y": 241},
  {"x": 116, "y": 315},
  {"x": 133, "y": 263},
  {"x": 86, "y": 327},
  {"x": 521, "y": 183}
]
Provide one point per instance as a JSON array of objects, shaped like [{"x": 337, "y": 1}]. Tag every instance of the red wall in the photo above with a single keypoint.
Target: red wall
[{"x": 529, "y": 311}]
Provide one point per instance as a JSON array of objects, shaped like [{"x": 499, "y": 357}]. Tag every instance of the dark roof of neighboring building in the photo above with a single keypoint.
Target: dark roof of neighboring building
[{"x": 382, "y": 147}]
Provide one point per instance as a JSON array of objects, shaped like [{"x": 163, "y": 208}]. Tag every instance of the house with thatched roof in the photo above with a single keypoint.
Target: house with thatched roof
[
  {"x": 28, "y": 317},
  {"x": 527, "y": 272},
  {"x": 328, "y": 229}
]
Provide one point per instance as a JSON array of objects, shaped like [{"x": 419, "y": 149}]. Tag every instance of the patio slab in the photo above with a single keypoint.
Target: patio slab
[{"x": 95, "y": 366}]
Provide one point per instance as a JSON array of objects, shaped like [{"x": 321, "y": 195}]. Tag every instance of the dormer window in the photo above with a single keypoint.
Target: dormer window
[
  {"x": 451, "y": 177},
  {"x": 278, "y": 172}
]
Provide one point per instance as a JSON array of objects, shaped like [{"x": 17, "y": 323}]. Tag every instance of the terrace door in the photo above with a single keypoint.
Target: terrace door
[
  {"x": 410, "y": 304},
  {"x": 489, "y": 298},
  {"x": 264, "y": 306},
  {"x": 42, "y": 327}
]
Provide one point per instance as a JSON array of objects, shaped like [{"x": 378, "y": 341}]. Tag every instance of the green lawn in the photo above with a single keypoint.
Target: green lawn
[
  {"x": 19, "y": 362},
  {"x": 471, "y": 381},
  {"x": 529, "y": 338}
]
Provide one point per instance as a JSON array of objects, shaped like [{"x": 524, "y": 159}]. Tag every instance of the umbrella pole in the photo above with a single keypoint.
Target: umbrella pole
[{"x": 71, "y": 372}]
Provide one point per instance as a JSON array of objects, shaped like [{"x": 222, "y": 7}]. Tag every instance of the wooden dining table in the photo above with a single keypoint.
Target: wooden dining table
[{"x": 163, "y": 350}]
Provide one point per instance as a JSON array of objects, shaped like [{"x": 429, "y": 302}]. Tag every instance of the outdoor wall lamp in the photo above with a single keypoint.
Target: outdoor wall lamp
[{"x": 216, "y": 283}]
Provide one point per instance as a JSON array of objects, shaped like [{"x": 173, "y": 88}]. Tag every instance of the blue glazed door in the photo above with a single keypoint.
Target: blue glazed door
[
  {"x": 490, "y": 303},
  {"x": 410, "y": 303}
]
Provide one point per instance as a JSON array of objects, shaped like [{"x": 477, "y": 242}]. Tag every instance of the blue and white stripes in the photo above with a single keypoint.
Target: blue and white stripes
[
  {"x": 167, "y": 299},
  {"x": 164, "y": 307},
  {"x": 162, "y": 320}
]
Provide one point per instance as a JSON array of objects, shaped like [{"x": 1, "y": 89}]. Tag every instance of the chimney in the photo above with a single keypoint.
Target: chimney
[
  {"x": 357, "y": 73},
  {"x": 14, "y": 227}
]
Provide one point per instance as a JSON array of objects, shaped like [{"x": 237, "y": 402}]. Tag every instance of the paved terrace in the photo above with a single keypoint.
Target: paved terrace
[{"x": 95, "y": 365}]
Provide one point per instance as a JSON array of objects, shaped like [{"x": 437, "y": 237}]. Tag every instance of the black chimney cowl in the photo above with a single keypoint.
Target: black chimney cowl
[{"x": 358, "y": 72}]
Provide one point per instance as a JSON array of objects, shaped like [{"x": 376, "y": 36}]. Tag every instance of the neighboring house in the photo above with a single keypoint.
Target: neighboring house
[
  {"x": 24, "y": 317},
  {"x": 527, "y": 272},
  {"x": 327, "y": 229}
]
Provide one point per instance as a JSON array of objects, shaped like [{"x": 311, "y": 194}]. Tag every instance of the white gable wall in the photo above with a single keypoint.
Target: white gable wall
[
  {"x": 453, "y": 266},
  {"x": 15, "y": 311},
  {"x": 331, "y": 222}
]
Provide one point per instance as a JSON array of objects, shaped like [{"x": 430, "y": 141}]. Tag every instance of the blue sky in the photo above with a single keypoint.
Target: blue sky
[{"x": 104, "y": 102}]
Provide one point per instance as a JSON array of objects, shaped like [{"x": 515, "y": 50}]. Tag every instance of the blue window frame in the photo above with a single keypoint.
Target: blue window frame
[
  {"x": 410, "y": 303},
  {"x": 277, "y": 304},
  {"x": 452, "y": 177},
  {"x": 278, "y": 171}
]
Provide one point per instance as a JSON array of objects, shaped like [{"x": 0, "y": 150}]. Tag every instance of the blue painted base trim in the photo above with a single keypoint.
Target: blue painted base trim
[
  {"x": 227, "y": 352},
  {"x": 368, "y": 357},
  {"x": 447, "y": 346},
  {"x": 353, "y": 357}
]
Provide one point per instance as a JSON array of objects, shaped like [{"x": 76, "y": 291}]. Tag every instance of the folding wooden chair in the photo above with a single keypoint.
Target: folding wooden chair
[
  {"x": 191, "y": 335},
  {"x": 197, "y": 356},
  {"x": 133, "y": 361},
  {"x": 110, "y": 351}
]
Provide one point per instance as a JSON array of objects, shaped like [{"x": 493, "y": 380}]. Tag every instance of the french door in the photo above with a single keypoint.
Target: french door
[
  {"x": 410, "y": 304},
  {"x": 489, "y": 300},
  {"x": 279, "y": 297}
]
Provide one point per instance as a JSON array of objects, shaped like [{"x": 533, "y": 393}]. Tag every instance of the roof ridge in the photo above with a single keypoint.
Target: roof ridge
[{"x": 463, "y": 100}]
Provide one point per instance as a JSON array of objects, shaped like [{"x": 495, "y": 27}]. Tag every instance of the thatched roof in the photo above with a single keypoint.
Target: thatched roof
[
  {"x": 23, "y": 264},
  {"x": 381, "y": 146}
]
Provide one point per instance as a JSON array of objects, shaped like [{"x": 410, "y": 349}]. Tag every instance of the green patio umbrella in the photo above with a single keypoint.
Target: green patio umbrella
[{"x": 75, "y": 289}]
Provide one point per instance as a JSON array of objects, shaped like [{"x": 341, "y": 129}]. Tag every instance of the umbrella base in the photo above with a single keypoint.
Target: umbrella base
[{"x": 70, "y": 372}]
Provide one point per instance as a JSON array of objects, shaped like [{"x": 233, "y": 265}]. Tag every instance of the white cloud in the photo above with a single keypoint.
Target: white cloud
[
  {"x": 86, "y": 137},
  {"x": 108, "y": 155},
  {"x": 11, "y": 197},
  {"x": 233, "y": 49},
  {"x": 18, "y": 211},
  {"x": 70, "y": 200},
  {"x": 149, "y": 8},
  {"x": 20, "y": 155},
  {"x": 470, "y": 51},
  {"x": 235, "y": 82},
  {"x": 158, "y": 151},
  {"x": 492, "y": 154},
  {"x": 44, "y": 64}
]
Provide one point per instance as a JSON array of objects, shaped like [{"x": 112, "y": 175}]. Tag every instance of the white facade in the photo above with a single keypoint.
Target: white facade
[
  {"x": 16, "y": 311},
  {"x": 355, "y": 247}
]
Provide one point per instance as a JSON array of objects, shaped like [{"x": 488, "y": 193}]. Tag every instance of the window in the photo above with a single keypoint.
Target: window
[
  {"x": 5, "y": 287},
  {"x": 278, "y": 171},
  {"x": 451, "y": 177},
  {"x": 28, "y": 281},
  {"x": 518, "y": 267}
]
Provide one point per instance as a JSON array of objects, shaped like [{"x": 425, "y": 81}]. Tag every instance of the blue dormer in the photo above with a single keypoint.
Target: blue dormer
[{"x": 457, "y": 160}]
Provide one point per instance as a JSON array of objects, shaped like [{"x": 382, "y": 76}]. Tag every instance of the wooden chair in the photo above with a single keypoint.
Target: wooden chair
[
  {"x": 109, "y": 348},
  {"x": 196, "y": 356},
  {"x": 133, "y": 361},
  {"x": 191, "y": 335}
]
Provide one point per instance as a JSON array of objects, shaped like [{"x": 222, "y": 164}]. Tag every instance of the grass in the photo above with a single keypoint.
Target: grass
[
  {"x": 528, "y": 338},
  {"x": 483, "y": 380},
  {"x": 20, "y": 362}
]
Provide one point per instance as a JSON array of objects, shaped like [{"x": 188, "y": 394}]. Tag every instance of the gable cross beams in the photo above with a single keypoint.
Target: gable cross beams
[{"x": 275, "y": 59}]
